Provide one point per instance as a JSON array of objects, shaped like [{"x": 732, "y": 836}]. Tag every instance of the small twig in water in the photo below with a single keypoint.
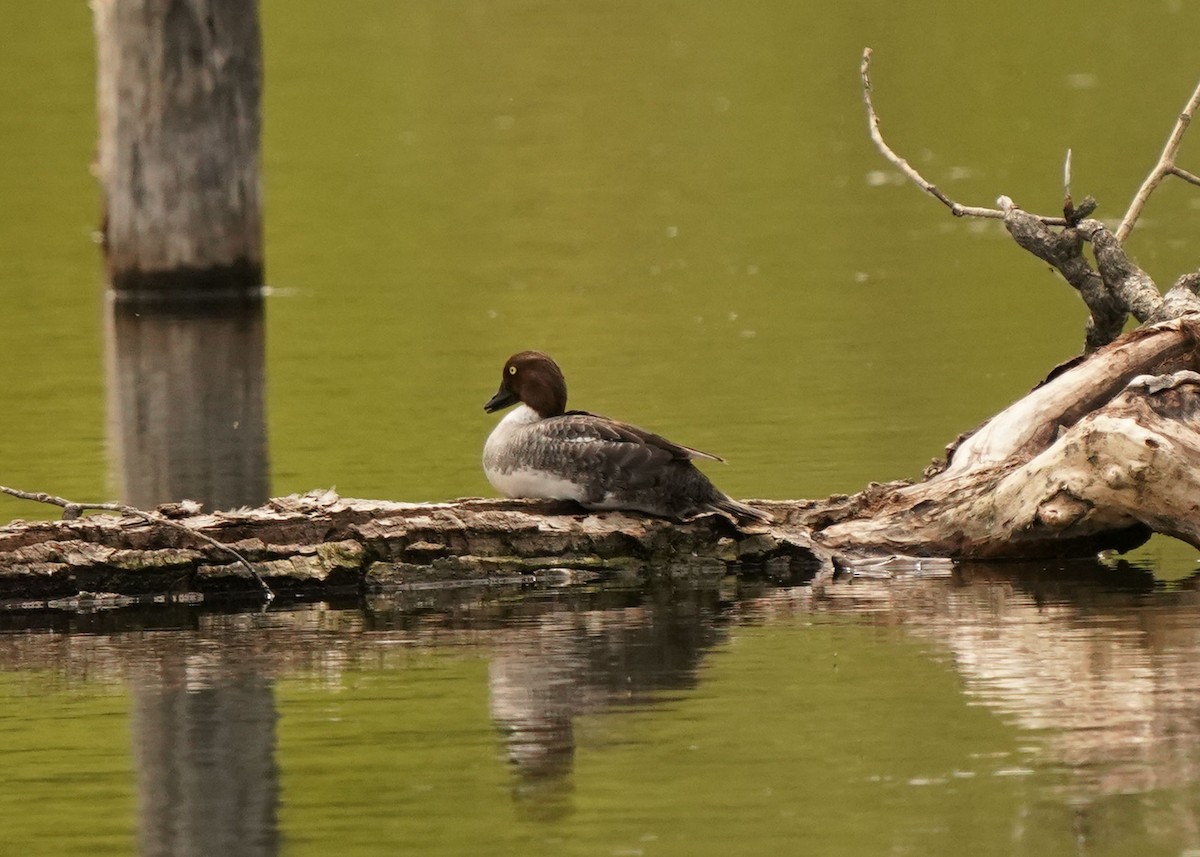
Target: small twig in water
[
  {"x": 957, "y": 209},
  {"x": 72, "y": 510},
  {"x": 1165, "y": 167}
]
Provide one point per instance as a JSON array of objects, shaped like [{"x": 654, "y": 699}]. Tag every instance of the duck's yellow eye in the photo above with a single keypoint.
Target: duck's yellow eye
[{"x": 512, "y": 370}]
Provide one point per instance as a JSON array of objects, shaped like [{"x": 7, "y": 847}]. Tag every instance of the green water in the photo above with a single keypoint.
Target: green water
[
  {"x": 995, "y": 712},
  {"x": 680, "y": 202}
]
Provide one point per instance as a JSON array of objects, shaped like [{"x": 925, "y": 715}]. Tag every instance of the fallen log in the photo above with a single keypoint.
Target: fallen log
[
  {"x": 1041, "y": 481},
  {"x": 320, "y": 542}
]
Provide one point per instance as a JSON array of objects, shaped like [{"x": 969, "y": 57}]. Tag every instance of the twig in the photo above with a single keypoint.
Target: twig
[
  {"x": 72, "y": 510},
  {"x": 1190, "y": 178},
  {"x": 957, "y": 209},
  {"x": 1165, "y": 167},
  {"x": 1067, "y": 203}
]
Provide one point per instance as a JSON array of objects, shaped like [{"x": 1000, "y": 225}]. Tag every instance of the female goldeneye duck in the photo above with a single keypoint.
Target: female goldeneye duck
[{"x": 543, "y": 450}]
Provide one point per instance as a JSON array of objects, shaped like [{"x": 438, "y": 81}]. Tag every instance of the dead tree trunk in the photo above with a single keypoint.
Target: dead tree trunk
[
  {"x": 179, "y": 84},
  {"x": 1097, "y": 458},
  {"x": 1104, "y": 452}
]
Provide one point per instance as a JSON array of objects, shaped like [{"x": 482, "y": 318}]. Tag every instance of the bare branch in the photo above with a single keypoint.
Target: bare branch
[
  {"x": 72, "y": 510},
  {"x": 1164, "y": 167},
  {"x": 957, "y": 209},
  {"x": 1190, "y": 178}
]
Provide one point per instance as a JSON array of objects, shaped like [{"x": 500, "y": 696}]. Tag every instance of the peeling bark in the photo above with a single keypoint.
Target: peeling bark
[{"x": 320, "y": 542}]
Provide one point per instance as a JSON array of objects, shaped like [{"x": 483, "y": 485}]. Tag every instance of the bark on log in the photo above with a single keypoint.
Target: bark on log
[
  {"x": 179, "y": 85},
  {"x": 320, "y": 542}
]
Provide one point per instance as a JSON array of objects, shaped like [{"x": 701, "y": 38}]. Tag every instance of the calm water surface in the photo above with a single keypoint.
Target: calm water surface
[
  {"x": 992, "y": 710},
  {"x": 680, "y": 202}
]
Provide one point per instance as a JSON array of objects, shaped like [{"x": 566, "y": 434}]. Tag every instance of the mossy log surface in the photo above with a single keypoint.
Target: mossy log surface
[{"x": 320, "y": 542}]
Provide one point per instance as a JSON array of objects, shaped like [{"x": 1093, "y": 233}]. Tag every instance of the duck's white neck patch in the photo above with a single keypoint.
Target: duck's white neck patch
[{"x": 520, "y": 415}]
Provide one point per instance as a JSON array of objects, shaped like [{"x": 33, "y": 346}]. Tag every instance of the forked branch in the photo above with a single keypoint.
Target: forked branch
[
  {"x": 1116, "y": 286},
  {"x": 956, "y": 208},
  {"x": 1165, "y": 167}
]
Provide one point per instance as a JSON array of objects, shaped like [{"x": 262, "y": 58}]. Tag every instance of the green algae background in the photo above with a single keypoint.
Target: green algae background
[
  {"x": 69, "y": 783},
  {"x": 679, "y": 201}
]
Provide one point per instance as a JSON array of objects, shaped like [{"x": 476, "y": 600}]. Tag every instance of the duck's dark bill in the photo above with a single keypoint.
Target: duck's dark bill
[{"x": 502, "y": 399}]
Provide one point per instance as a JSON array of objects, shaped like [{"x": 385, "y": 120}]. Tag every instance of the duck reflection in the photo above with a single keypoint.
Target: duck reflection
[
  {"x": 561, "y": 664},
  {"x": 185, "y": 402}
]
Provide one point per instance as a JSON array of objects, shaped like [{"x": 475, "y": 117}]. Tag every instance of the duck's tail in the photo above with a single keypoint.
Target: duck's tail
[{"x": 741, "y": 513}]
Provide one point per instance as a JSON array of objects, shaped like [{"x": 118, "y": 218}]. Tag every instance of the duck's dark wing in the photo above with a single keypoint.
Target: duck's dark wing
[
  {"x": 609, "y": 456},
  {"x": 614, "y": 431},
  {"x": 621, "y": 466}
]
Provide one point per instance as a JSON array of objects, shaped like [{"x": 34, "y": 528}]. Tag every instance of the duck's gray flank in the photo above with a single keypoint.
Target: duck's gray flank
[{"x": 542, "y": 450}]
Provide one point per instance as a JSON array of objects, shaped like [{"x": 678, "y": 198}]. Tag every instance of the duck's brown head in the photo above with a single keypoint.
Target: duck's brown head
[{"x": 533, "y": 378}]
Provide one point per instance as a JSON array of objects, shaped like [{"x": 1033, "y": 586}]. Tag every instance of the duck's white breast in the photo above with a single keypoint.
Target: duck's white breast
[{"x": 506, "y": 460}]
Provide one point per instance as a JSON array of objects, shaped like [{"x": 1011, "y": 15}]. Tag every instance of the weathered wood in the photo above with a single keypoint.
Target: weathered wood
[
  {"x": 321, "y": 542},
  {"x": 1101, "y": 455},
  {"x": 179, "y": 86},
  {"x": 1098, "y": 458}
]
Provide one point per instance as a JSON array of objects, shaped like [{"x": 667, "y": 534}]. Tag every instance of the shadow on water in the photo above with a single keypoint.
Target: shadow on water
[
  {"x": 186, "y": 402},
  {"x": 1099, "y": 665}
]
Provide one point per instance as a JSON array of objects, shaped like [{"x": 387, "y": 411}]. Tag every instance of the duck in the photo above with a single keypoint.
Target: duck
[{"x": 542, "y": 450}]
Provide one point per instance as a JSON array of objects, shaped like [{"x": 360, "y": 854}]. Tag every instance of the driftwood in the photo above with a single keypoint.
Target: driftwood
[{"x": 1100, "y": 455}]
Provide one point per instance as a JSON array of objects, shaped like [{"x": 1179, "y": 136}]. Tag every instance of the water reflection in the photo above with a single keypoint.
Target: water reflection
[
  {"x": 1097, "y": 668},
  {"x": 1098, "y": 663},
  {"x": 564, "y": 663},
  {"x": 186, "y": 402},
  {"x": 204, "y": 752}
]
